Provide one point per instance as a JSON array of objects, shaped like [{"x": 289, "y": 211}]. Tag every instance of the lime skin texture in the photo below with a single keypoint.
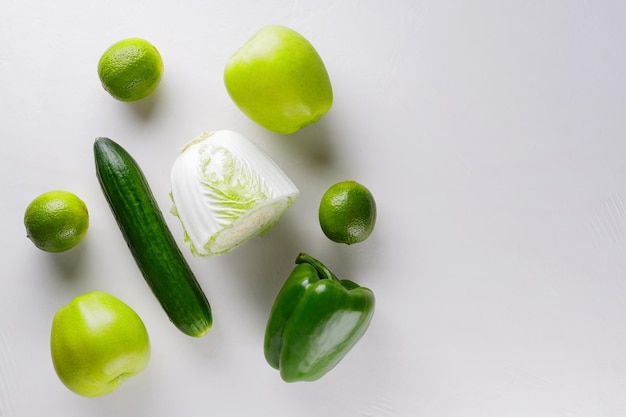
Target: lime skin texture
[
  {"x": 97, "y": 342},
  {"x": 278, "y": 80},
  {"x": 56, "y": 221},
  {"x": 347, "y": 212},
  {"x": 130, "y": 69}
]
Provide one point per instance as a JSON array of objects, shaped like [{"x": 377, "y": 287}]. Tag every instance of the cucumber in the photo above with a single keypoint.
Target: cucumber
[{"x": 150, "y": 240}]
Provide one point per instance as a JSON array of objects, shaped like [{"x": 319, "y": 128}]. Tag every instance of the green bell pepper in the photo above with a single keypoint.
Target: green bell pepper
[{"x": 315, "y": 320}]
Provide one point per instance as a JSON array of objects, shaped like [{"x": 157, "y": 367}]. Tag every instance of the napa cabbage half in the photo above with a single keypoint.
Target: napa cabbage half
[{"x": 226, "y": 190}]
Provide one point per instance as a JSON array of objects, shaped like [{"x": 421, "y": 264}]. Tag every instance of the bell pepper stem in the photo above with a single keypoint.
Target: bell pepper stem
[{"x": 324, "y": 272}]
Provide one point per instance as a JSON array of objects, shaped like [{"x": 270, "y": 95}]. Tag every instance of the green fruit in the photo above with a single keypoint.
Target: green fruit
[
  {"x": 130, "y": 69},
  {"x": 56, "y": 221},
  {"x": 97, "y": 342},
  {"x": 278, "y": 80},
  {"x": 347, "y": 212}
]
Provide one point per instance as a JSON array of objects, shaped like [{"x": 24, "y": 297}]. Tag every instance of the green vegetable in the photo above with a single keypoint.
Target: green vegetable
[
  {"x": 149, "y": 239},
  {"x": 315, "y": 320},
  {"x": 227, "y": 190}
]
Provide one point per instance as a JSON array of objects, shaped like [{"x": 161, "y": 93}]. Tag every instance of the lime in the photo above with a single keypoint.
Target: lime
[
  {"x": 56, "y": 221},
  {"x": 130, "y": 69},
  {"x": 347, "y": 212}
]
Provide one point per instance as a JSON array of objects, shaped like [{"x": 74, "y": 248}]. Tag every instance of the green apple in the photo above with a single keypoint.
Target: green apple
[
  {"x": 97, "y": 342},
  {"x": 278, "y": 79}
]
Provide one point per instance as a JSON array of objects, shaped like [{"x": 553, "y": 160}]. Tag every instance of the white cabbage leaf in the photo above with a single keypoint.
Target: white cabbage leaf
[{"x": 227, "y": 190}]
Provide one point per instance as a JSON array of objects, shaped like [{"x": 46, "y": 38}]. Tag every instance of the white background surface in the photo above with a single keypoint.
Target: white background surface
[{"x": 491, "y": 134}]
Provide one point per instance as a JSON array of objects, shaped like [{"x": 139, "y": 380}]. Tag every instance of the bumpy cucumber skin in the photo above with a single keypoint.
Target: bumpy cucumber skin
[{"x": 149, "y": 239}]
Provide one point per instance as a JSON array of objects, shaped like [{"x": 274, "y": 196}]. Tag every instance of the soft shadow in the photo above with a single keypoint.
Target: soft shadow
[
  {"x": 314, "y": 143},
  {"x": 69, "y": 263},
  {"x": 262, "y": 265},
  {"x": 146, "y": 107}
]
